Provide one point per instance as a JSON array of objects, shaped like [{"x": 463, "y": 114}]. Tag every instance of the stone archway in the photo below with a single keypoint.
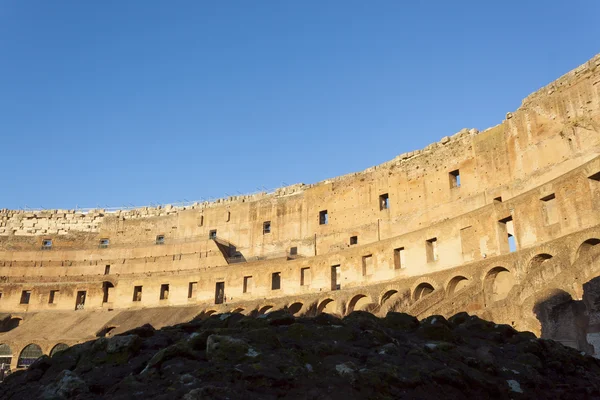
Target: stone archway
[
  {"x": 422, "y": 290},
  {"x": 358, "y": 302},
  {"x": 497, "y": 283},
  {"x": 58, "y": 347},
  {"x": 5, "y": 356},
  {"x": 295, "y": 308},
  {"x": 28, "y": 355},
  {"x": 328, "y": 306},
  {"x": 456, "y": 284}
]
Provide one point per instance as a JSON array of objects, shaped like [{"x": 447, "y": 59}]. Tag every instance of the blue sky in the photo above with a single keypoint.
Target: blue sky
[{"x": 111, "y": 103}]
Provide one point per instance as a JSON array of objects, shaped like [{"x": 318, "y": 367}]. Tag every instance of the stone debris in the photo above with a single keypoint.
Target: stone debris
[{"x": 357, "y": 357}]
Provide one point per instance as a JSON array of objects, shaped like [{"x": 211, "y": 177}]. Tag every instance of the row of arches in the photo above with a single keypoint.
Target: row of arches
[
  {"x": 496, "y": 283},
  {"x": 27, "y": 356}
]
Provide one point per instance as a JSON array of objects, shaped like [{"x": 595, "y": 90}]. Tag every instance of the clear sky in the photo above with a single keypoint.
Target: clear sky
[{"x": 112, "y": 103}]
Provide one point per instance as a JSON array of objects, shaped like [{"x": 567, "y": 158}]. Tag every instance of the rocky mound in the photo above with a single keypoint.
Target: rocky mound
[{"x": 231, "y": 356}]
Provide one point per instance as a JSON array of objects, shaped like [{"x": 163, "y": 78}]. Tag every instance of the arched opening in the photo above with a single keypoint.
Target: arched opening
[
  {"x": 105, "y": 332},
  {"x": 423, "y": 290},
  {"x": 57, "y": 348},
  {"x": 264, "y": 310},
  {"x": 358, "y": 302},
  {"x": 106, "y": 290},
  {"x": 9, "y": 323},
  {"x": 538, "y": 259},
  {"x": 29, "y": 354},
  {"x": 5, "y": 356},
  {"x": 295, "y": 308},
  {"x": 585, "y": 248},
  {"x": 328, "y": 306},
  {"x": 388, "y": 295},
  {"x": 457, "y": 283},
  {"x": 498, "y": 282},
  {"x": 237, "y": 311}
]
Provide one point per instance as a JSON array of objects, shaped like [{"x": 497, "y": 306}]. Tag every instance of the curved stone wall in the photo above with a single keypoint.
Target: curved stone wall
[{"x": 480, "y": 221}]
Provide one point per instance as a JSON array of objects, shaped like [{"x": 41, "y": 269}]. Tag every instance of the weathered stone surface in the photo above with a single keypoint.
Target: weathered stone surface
[{"x": 312, "y": 359}]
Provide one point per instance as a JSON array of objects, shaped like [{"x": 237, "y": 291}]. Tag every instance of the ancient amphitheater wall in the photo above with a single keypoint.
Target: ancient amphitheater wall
[{"x": 471, "y": 237}]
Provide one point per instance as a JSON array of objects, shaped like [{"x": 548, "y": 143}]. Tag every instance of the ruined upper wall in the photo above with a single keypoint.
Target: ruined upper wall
[{"x": 553, "y": 132}]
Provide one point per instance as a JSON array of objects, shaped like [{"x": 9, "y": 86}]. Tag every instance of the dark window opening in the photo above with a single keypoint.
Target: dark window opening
[
  {"x": 104, "y": 243},
  {"x": 219, "y": 292},
  {"x": 293, "y": 251},
  {"x": 384, "y": 201},
  {"x": 399, "y": 258},
  {"x": 432, "y": 250},
  {"x": 305, "y": 277},
  {"x": 46, "y": 244},
  {"x": 228, "y": 216},
  {"x": 212, "y": 235},
  {"x": 137, "y": 293},
  {"x": 107, "y": 270},
  {"x": 276, "y": 281},
  {"x": 336, "y": 277},
  {"x": 160, "y": 239},
  {"x": 192, "y": 288},
  {"x": 106, "y": 286},
  {"x": 25, "y": 296},
  {"x": 80, "y": 300},
  {"x": 247, "y": 284},
  {"x": 266, "y": 227},
  {"x": 323, "y": 217},
  {"x": 454, "y": 178},
  {"x": 353, "y": 240},
  {"x": 201, "y": 220},
  {"x": 498, "y": 199},
  {"x": 508, "y": 242},
  {"x": 52, "y": 297},
  {"x": 164, "y": 291}
]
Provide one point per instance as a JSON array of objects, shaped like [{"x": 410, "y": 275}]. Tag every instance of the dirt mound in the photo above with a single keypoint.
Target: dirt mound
[{"x": 231, "y": 356}]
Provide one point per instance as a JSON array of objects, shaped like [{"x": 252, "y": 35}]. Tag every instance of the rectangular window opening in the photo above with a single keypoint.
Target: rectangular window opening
[
  {"x": 384, "y": 201},
  {"x": 212, "y": 235},
  {"x": 219, "y": 292},
  {"x": 454, "y": 178},
  {"x": 399, "y": 258},
  {"x": 353, "y": 240},
  {"x": 104, "y": 243},
  {"x": 192, "y": 289},
  {"x": 53, "y": 296},
  {"x": 550, "y": 209},
  {"x": 336, "y": 281},
  {"x": 201, "y": 220},
  {"x": 508, "y": 241},
  {"x": 228, "y": 216},
  {"x": 46, "y": 244},
  {"x": 80, "y": 300},
  {"x": 160, "y": 239},
  {"x": 25, "y": 296},
  {"x": 137, "y": 293},
  {"x": 248, "y": 283},
  {"x": 367, "y": 265},
  {"x": 164, "y": 291},
  {"x": 323, "y": 217},
  {"x": 305, "y": 276},
  {"x": 432, "y": 249},
  {"x": 276, "y": 281},
  {"x": 107, "y": 270},
  {"x": 293, "y": 251},
  {"x": 266, "y": 227}
]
